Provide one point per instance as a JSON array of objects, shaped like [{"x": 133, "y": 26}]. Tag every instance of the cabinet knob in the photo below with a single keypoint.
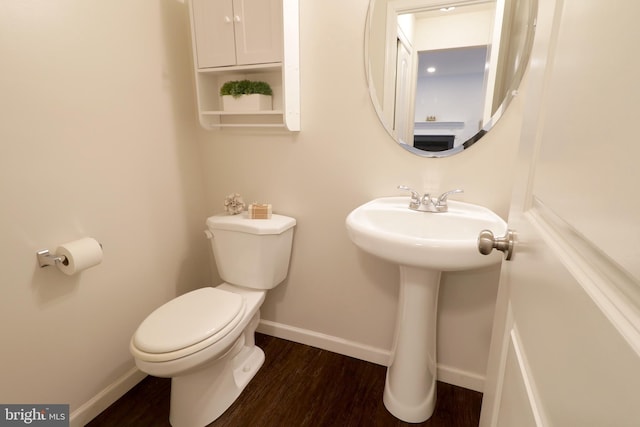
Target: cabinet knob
[
  {"x": 236, "y": 18},
  {"x": 227, "y": 19}
]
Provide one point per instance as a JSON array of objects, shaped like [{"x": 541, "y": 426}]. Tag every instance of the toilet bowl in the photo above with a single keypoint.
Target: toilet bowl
[{"x": 204, "y": 340}]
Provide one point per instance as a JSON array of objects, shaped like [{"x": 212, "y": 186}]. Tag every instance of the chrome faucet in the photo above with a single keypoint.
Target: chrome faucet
[{"x": 426, "y": 203}]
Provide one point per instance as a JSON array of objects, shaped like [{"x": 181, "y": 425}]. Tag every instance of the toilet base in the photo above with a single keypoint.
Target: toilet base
[{"x": 202, "y": 396}]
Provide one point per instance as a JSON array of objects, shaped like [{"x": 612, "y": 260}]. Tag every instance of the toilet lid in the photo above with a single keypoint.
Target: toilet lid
[{"x": 187, "y": 320}]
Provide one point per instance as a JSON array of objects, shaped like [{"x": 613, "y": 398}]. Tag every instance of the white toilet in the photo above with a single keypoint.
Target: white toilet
[{"x": 204, "y": 340}]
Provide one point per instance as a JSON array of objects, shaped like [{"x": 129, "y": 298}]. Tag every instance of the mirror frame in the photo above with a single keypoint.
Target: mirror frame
[{"x": 510, "y": 93}]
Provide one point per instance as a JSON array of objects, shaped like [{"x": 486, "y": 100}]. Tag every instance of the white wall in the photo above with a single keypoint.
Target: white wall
[
  {"x": 340, "y": 159},
  {"x": 440, "y": 96},
  {"x": 454, "y": 31},
  {"x": 97, "y": 139}
]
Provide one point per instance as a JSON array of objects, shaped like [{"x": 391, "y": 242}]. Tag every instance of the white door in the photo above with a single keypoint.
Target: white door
[{"x": 566, "y": 343}]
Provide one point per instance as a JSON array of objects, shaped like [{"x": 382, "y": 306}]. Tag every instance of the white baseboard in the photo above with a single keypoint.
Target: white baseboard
[
  {"x": 367, "y": 353},
  {"x": 105, "y": 398},
  {"x": 325, "y": 342},
  {"x": 464, "y": 379}
]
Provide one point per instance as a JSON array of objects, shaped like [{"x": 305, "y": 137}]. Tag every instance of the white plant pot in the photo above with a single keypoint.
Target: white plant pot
[{"x": 253, "y": 102}]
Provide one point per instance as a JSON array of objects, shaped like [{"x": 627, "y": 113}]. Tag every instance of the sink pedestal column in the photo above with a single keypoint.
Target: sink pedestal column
[{"x": 410, "y": 389}]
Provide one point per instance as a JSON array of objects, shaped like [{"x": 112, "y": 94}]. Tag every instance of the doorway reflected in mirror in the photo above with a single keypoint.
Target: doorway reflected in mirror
[{"x": 417, "y": 95}]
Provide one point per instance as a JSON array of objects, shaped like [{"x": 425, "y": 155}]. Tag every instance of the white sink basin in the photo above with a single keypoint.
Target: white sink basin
[{"x": 443, "y": 241}]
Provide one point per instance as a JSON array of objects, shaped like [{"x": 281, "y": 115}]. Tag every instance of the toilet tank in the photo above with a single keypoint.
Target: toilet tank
[{"x": 252, "y": 253}]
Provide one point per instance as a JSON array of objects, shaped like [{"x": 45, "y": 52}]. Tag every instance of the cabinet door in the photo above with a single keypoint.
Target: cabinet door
[
  {"x": 213, "y": 27},
  {"x": 258, "y": 30}
]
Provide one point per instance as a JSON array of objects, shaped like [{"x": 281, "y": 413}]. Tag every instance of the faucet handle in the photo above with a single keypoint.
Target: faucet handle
[
  {"x": 414, "y": 194},
  {"x": 415, "y": 197},
  {"x": 442, "y": 200}
]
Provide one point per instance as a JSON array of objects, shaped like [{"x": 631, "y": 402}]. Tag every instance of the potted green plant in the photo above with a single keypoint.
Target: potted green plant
[{"x": 246, "y": 95}]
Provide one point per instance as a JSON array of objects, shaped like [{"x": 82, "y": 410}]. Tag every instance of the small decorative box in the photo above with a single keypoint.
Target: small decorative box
[{"x": 259, "y": 211}]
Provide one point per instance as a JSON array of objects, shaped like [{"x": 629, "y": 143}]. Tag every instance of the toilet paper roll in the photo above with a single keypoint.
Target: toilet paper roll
[{"x": 80, "y": 255}]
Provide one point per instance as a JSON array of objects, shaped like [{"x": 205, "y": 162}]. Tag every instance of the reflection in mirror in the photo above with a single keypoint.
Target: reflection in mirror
[
  {"x": 449, "y": 101},
  {"x": 441, "y": 73}
]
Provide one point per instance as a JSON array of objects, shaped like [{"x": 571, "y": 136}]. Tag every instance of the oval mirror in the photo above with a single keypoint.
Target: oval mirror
[{"x": 441, "y": 73}]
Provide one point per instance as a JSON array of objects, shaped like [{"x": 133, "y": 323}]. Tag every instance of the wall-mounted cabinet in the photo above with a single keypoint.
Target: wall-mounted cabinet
[
  {"x": 237, "y": 32},
  {"x": 246, "y": 39}
]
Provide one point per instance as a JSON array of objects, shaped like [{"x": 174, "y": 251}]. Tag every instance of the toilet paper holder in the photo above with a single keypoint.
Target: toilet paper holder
[{"x": 46, "y": 258}]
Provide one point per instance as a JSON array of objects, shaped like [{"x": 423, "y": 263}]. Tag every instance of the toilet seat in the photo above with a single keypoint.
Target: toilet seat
[{"x": 187, "y": 324}]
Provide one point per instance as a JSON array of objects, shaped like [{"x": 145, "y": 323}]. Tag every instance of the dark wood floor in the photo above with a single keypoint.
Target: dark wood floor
[{"x": 298, "y": 386}]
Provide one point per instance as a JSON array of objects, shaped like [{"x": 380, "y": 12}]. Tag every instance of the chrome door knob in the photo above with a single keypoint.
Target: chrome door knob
[{"x": 488, "y": 242}]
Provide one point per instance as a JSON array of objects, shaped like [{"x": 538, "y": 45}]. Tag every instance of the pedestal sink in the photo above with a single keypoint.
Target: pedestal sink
[{"x": 423, "y": 244}]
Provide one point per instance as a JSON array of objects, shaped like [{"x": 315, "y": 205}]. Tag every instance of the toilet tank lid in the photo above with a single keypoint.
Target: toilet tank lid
[{"x": 277, "y": 224}]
